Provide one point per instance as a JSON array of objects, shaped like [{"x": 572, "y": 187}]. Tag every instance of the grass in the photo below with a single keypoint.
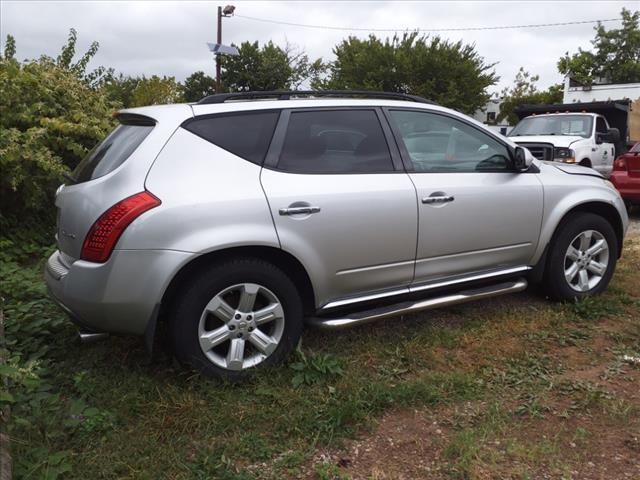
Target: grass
[{"x": 107, "y": 410}]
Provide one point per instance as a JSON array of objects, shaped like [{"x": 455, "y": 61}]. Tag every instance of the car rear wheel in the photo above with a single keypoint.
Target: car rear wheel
[
  {"x": 234, "y": 317},
  {"x": 582, "y": 257}
]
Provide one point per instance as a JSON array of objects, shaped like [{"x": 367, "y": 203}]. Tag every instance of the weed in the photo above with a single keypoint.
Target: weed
[
  {"x": 593, "y": 308},
  {"x": 313, "y": 367},
  {"x": 329, "y": 471}
]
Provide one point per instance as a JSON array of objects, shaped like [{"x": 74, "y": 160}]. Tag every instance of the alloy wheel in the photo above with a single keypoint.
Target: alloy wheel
[
  {"x": 586, "y": 260},
  {"x": 241, "y": 326}
]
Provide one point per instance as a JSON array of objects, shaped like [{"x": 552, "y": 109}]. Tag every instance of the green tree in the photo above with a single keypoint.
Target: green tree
[
  {"x": 120, "y": 89},
  {"x": 50, "y": 119},
  {"x": 267, "y": 68},
  {"x": 451, "y": 74},
  {"x": 156, "y": 90},
  {"x": 94, "y": 78},
  {"x": 197, "y": 86},
  {"x": 9, "y": 48},
  {"x": 615, "y": 57},
  {"x": 524, "y": 91}
]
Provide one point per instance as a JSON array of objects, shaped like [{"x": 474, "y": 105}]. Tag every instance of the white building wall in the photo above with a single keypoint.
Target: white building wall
[{"x": 600, "y": 93}]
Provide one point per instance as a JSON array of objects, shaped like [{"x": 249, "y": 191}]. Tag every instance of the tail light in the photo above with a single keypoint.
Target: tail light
[
  {"x": 106, "y": 231},
  {"x": 620, "y": 164}
]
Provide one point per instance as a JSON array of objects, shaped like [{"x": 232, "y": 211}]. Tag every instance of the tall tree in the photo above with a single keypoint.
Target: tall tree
[
  {"x": 615, "y": 57},
  {"x": 198, "y": 85},
  {"x": 451, "y": 74},
  {"x": 524, "y": 91},
  {"x": 267, "y": 68}
]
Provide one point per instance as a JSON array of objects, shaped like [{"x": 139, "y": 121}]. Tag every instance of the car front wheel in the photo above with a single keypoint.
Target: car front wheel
[{"x": 582, "y": 258}]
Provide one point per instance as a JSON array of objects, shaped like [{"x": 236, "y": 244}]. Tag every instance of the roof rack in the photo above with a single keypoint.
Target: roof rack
[{"x": 288, "y": 94}]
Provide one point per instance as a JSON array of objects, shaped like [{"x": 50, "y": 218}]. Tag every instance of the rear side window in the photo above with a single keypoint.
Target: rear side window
[
  {"x": 246, "y": 135},
  {"x": 111, "y": 152},
  {"x": 335, "y": 141}
]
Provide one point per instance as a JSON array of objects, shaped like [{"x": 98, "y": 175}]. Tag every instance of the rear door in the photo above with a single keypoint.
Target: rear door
[
  {"x": 341, "y": 201},
  {"x": 476, "y": 215},
  {"x": 90, "y": 190}
]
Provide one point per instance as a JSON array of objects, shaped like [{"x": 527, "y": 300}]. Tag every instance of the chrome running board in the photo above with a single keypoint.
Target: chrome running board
[{"x": 367, "y": 316}]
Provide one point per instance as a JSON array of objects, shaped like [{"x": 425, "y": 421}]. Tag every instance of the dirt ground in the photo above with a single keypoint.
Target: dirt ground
[{"x": 581, "y": 442}]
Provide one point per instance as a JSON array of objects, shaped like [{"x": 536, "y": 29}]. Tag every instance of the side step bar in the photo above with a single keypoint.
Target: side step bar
[{"x": 367, "y": 316}]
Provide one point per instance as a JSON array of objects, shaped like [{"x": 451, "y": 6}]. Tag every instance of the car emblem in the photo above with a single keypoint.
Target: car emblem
[{"x": 67, "y": 234}]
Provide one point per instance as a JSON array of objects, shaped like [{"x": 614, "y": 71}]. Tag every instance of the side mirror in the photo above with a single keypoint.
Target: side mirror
[
  {"x": 614, "y": 135},
  {"x": 522, "y": 159}
]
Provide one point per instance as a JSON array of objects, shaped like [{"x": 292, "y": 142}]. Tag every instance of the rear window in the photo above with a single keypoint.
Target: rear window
[
  {"x": 111, "y": 152},
  {"x": 246, "y": 134},
  {"x": 335, "y": 141}
]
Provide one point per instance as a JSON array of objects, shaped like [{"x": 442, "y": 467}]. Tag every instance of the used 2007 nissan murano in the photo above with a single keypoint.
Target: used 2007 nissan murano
[{"x": 239, "y": 219}]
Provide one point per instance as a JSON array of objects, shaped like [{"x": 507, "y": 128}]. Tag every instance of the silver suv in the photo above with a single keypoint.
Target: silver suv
[{"x": 241, "y": 218}]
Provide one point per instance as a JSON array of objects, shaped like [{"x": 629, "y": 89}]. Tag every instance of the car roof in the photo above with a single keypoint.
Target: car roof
[{"x": 553, "y": 114}]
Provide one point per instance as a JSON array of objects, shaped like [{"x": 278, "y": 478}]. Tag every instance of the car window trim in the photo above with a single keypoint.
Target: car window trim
[
  {"x": 275, "y": 149},
  {"x": 404, "y": 154}
]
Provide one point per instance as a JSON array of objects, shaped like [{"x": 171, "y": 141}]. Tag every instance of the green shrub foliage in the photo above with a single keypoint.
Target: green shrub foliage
[{"x": 52, "y": 114}]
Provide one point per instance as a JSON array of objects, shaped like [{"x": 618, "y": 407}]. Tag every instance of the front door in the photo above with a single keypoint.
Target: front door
[
  {"x": 476, "y": 215},
  {"x": 605, "y": 151},
  {"x": 341, "y": 202}
]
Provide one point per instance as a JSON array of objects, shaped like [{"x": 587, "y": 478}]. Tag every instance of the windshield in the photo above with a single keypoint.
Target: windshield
[{"x": 554, "y": 125}]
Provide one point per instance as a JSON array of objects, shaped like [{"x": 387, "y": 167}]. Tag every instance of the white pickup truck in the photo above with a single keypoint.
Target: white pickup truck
[{"x": 581, "y": 138}]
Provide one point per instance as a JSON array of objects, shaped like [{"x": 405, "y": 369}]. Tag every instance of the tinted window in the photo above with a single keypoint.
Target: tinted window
[
  {"x": 246, "y": 135},
  {"x": 601, "y": 126},
  {"x": 111, "y": 152},
  {"x": 336, "y": 141},
  {"x": 437, "y": 143}
]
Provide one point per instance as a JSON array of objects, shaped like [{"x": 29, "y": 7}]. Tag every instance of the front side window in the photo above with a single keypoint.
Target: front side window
[
  {"x": 601, "y": 126},
  {"x": 437, "y": 143},
  {"x": 246, "y": 134},
  {"x": 335, "y": 141}
]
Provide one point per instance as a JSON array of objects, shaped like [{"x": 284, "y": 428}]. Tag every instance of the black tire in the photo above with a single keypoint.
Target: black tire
[
  {"x": 186, "y": 311},
  {"x": 556, "y": 285}
]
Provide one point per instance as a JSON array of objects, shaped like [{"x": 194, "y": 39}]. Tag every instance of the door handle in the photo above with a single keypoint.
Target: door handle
[
  {"x": 438, "y": 199},
  {"x": 298, "y": 210}
]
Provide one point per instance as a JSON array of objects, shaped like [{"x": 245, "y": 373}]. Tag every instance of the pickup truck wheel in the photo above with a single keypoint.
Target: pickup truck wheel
[
  {"x": 234, "y": 317},
  {"x": 582, "y": 258}
]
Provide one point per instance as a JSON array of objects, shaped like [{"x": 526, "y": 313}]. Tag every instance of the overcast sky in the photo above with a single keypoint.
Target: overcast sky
[{"x": 168, "y": 37}]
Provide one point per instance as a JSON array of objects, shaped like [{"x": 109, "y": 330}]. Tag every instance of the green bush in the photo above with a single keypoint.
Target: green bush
[{"x": 51, "y": 117}]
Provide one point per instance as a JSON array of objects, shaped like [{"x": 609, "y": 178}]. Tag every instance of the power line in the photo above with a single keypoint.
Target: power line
[{"x": 458, "y": 29}]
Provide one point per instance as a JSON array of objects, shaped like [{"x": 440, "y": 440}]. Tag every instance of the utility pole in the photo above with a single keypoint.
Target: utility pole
[
  {"x": 219, "y": 49},
  {"x": 219, "y": 43}
]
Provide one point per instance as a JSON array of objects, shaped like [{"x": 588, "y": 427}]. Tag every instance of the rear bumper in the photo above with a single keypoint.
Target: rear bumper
[
  {"x": 118, "y": 296},
  {"x": 629, "y": 187}
]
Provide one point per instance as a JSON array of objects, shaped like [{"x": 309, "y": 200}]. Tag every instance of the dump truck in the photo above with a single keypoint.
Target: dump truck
[{"x": 592, "y": 134}]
